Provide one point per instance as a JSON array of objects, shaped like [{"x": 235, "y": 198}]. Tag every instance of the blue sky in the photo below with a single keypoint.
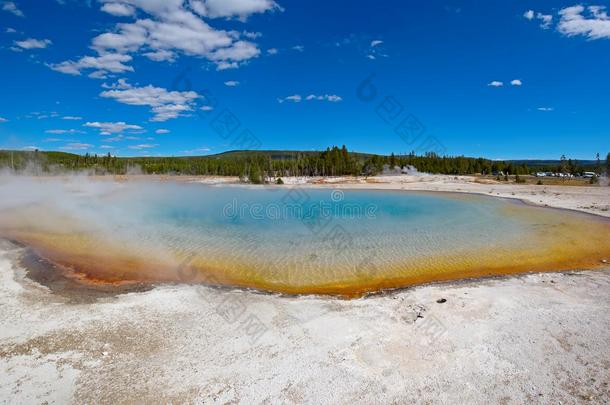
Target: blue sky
[{"x": 520, "y": 79}]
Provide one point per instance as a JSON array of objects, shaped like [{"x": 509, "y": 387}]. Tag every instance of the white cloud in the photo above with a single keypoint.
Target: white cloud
[
  {"x": 161, "y": 55},
  {"x": 107, "y": 147},
  {"x": 295, "y": 98},
  {"x": 3, "y": 120},
  {"x": 119, "y": 9},
  {"x": 63, "y": 131},
  {"x": 169, "y": 111},
  {"x": 326, "y": 97},
  {"x": 231, "y": 83},
  {"x": 143, "y": 146},
  {"x": 110, "y": 62},
  {"x": 10, "y": 30},
  {"x": 77, "y": 146},
  {"x": 32, "y": 43},
  {"x": 98, "y": 74},
  {"x": 119, "y": 84},
  {"x": 162, "y": 131},
  {"x": 232, "y": 8},
  {"x": 375, "y": 50},
  {"x": 43, "y": 115},
  {"x": 11, "y": 7},
  {"x": 164, "y": 29},
  {"x": 546, "y": 19},
  {"x": 592, "y": 22},
  {"x": 207, "y": 108},
  {"x": 108, "y": 128},
  {"x": 71, "y": 118},
  {"x": 545, "y": 109},
  {"x": 164, "y": 104},
  {"x": 252, "y": 35},
  {"x": 495, "y": 83},
  {"x": 298, "y": 48},
  {"x": 198, "y": 150},
  {"x": 272, "y": 51},
  {"x": 226, "y": 65},
  {"x": 516, "y": 82},
  {"x": 116, "y": 138},
  {"x": 238, "y": 52}
]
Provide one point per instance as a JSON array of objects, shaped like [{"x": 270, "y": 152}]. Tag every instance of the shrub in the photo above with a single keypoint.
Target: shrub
[
  {"x": 518, "y": 179},
  {"x": 256, "y": 177},
  {"x": 279, "y": 181}
]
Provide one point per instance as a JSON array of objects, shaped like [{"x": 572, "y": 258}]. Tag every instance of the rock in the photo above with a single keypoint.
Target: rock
[
  {"x": 413, "y": 313},
  {"x": 441, "y": 300}
]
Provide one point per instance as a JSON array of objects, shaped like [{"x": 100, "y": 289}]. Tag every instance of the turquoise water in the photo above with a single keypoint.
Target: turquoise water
[
  {"x": 282, "y": 222},
  {"x": 295, "y": 239},
  {"x": 305, "y": 230}
]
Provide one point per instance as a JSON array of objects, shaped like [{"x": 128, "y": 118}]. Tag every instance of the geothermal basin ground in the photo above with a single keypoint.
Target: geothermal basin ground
[{"x": 539, "y": 337}]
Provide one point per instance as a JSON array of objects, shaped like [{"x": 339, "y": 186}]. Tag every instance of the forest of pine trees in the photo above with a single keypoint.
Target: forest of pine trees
[{"x": 259, "y": 165}]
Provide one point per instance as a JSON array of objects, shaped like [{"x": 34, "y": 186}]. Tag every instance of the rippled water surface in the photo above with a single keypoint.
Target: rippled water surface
[{"x": 295, "y": 240}]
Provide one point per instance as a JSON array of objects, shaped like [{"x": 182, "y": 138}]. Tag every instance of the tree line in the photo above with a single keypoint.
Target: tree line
[{"x": 259, "y": 165}]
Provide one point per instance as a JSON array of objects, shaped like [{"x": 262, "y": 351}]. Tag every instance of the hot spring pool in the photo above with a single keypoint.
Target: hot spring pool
[{"x": 287, "y": 239}]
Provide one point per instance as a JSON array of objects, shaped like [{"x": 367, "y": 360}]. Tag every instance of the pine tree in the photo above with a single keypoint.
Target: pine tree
[
  {"x": 563, "y": 165},
  {"x": 256, "y": 176}
]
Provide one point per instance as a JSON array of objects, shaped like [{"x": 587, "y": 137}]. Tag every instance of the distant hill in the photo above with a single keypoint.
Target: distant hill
[
  {"x": 277, "y": 154},
  {"x": 549, "y": 163},
  {"x": 261, "y": 164}
]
